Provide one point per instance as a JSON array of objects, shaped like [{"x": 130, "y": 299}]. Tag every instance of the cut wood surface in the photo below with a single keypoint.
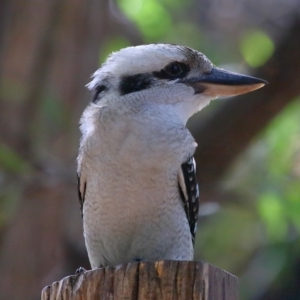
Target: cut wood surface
[{"x": 162, "y": 280}]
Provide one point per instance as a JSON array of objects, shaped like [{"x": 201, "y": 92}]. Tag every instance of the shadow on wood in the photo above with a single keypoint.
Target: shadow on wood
[{"x": 172, "y": 280}]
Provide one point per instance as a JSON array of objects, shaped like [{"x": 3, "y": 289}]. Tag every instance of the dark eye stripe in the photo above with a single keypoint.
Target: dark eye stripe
[
  {"x": 135, "y": 83},
  {"x": 139, "y": 82},
  {"x": 97, "y": 91},
  {"x": 166, "y": 74}
]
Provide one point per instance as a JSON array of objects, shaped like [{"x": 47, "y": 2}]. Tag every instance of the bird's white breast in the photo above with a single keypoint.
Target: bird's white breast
[{"x": 132, "y": 205}]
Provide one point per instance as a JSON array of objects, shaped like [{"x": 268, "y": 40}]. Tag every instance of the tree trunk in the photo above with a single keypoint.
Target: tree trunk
[{"x": 174, "y": 280}]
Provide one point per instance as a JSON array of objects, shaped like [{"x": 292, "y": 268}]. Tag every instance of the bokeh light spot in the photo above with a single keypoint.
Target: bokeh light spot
[{"x": 256, "y": 48}]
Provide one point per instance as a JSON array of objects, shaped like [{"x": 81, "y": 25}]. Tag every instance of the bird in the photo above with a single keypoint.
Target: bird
[{"x": 137, "y": 185}]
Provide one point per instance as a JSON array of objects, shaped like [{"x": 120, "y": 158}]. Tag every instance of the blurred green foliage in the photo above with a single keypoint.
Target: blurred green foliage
[
  {"x": 260, "y": 228},
  {"x": 282, "y": 136},
  {"x": 11, "y": 161},
  {"x": 272, "y": 212},
  {"x": 229, "y": 237},
  {"x": 279, "y": 204},
  {"x": 166, "y": 22},
  {"x": 256, "y": 48},
  {"x": 148, "y": 16}
]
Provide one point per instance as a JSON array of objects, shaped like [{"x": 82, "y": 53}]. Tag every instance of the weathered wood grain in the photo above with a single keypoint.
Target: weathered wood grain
[{"x": 161, "y": 280}]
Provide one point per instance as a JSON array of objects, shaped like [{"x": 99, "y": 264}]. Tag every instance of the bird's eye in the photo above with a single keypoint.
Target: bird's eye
[{"x": 173, "y": 69}]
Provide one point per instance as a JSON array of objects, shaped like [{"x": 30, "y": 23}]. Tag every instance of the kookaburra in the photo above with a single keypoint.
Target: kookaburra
[{"x": 136, "y": 173}]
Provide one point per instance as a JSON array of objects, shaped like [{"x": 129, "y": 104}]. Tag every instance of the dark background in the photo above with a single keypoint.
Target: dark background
[{"x": 248, "y": 157}]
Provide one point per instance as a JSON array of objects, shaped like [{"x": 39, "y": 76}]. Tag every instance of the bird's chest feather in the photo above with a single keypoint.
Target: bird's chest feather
[{"x": 134, "y": 168}]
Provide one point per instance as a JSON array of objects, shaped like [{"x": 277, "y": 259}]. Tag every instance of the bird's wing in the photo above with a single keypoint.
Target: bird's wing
[
  {"x": 81, "y": 188},
  {"x": 189, "y": 192}
]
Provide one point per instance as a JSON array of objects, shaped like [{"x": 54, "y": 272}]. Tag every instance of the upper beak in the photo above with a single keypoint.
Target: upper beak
[{"x": 224, "y": 83}]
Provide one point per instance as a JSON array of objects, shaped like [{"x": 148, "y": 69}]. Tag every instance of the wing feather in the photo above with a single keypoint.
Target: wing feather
[
  {"x": 189, "y": 192},
  {"x": 81, "y": 188}
]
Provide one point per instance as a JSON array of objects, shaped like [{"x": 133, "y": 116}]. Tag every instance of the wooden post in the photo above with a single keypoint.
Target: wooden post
[{"x": 162, "y": 280}]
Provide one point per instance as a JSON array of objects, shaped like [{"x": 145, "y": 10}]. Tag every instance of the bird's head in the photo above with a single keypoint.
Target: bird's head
[{"x": 170, "y": 75}]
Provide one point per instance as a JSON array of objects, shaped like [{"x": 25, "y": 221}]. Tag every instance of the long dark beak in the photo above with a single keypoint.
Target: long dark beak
[{"x": 222, "y": 83}]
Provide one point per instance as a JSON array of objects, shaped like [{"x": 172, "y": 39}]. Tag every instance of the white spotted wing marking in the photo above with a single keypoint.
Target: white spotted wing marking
[{"x": 189, "y": 192}]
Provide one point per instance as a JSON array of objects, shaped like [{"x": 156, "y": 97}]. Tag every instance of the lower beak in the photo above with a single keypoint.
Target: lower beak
[{"x": 221, "y": 83}]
